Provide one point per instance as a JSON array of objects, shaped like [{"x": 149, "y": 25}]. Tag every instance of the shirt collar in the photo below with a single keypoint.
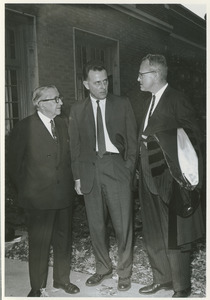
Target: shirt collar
[
  {"x": 94, "y": 100},
  {"x": 43, "y": 117},
  {"x": 161, "y": 91}
]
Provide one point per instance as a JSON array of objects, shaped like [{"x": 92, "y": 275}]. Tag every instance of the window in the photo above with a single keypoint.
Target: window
[
  {"x": 20, "y": 60},
  {"x": 11, "y": 99},
  {"x": 90, "y": 46}
]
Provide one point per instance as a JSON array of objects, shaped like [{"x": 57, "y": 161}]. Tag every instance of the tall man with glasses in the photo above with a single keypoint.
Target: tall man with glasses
[
  {"x": 166, "y": 233},
  {"x": 40, "y": 167},
  {"x": 103, "y": 147}
]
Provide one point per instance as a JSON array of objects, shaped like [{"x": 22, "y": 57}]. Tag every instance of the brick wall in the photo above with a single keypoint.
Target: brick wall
[
  {"x": 55, "y": 44},
  {"x": 54, "y": 29}
]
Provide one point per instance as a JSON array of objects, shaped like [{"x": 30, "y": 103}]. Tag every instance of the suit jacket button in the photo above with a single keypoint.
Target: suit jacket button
[{"x": 58, "y": 181}]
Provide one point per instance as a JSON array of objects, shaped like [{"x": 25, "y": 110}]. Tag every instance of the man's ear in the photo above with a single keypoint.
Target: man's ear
[
  {"x": 85, "y": 83},
  {"x": 157, "y": 77},
  {"x": 39, "y": 104}
]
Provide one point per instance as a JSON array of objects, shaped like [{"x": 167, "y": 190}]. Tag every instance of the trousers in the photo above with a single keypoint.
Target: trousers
[
  {"x": 46, "y": 228},
  {"x": 111, "y": 195},
  {"x": 167, "y": 264}
]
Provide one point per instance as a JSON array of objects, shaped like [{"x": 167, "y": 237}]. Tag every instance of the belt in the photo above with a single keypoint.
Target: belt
[{"x": 109, "y": 153}]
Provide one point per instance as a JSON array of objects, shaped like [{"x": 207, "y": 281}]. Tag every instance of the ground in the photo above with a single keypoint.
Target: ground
[{"x": 83, "y": 258}]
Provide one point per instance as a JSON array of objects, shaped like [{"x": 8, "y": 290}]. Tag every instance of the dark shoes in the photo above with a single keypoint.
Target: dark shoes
[
  {"x": 124, "y": 284},
  {"x": 96, "y": 278},
  {"x": 34, "y": 293},
  {"x": 69, "y": 288},
  {"x": 182, "y": 294},
  {"x": 155, "y": 287}
]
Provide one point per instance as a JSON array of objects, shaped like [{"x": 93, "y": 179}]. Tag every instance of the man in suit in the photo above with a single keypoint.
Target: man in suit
[
  {"x": 167, "y": 235},
  {"x": 40, "y": 167},
  {"x": 102, "y": 168}
]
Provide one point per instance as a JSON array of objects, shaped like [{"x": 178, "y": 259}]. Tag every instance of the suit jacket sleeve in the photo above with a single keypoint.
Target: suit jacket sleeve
[
  {"x": 131, "y": 128},
  {"x": 74, "y": 143}
]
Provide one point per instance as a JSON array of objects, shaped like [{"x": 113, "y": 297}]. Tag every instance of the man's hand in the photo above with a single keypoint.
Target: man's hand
[{"x": 77, "y": 187}]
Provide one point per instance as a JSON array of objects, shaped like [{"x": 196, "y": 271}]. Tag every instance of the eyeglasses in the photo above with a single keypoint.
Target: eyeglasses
[
  {"x": 141, "y": 74},
  {"x": 56, "y": 99}
]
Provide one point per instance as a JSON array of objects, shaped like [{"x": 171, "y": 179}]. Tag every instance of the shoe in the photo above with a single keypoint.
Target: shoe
[
  {"x": 124, "y": 284},
  {"x": 155, "y": 287},
  {"x": 96, "y": 278},
  {"x": 69, "y": 287},
  {"x": 34, "y": 293},
  {"x": 182, "y": 294}
]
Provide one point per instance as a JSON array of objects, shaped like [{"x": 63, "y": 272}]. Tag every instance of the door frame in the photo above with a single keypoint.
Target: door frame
[{"x": 112, "y": 46}]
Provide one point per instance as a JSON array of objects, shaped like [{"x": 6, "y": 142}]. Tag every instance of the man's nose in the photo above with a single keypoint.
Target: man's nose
[
  {"x": 103, "y": 85},
  {"x": 60, "y": 101}
]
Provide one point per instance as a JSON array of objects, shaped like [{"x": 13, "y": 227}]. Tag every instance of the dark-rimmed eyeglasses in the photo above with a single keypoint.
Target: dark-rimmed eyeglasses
[
  {"x": 56, "y": 99},
  {"x": 141, "y": 74}
]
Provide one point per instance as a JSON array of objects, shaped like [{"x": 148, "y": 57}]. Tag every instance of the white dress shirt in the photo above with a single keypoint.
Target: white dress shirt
[
  {"x": 46, "y": 121},
  {"x": 157, "y": 99},
  {"x": 102, "y": 103}
]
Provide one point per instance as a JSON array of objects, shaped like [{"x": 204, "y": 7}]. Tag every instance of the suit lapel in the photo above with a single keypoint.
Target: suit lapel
[
  {"x": 154, "y": 119},
  {"x": 42, "y": 127},
  {"x": 47, "y": 137},
  {"x": 145, "y": 114},
  {"x": 160, "y": 104},
  {"x": 89, "y": 121},
  {"x": 109, "y": 109},
  {"x": 59, "y": 142}
]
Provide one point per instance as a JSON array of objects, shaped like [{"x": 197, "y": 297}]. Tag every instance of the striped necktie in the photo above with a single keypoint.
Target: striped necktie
[
  {"x": 150, "y": 113},
  {"x": 100, "y": 132},
  {"x": 153, "y": 102},
  {"x": 53, "y": 129}
]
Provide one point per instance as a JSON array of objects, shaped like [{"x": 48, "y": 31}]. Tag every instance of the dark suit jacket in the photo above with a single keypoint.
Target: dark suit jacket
[
  {"x": 172, "y": 111},
  {"x": 121, "y": 127},
  {"x": 40, "y": 167}
]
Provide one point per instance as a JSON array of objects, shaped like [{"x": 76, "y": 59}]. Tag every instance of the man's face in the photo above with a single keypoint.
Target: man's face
[
  {"x": 50, "y": 108},
  {"x": 97, "y": 84},
  {"x": 146, "y": 77}
]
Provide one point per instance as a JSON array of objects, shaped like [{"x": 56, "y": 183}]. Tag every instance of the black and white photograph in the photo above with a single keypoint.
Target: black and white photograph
[{"x": 104, "y": 150}]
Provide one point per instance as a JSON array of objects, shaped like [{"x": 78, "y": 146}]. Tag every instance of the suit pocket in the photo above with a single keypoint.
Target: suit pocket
[{"x": 121, "y": 144}]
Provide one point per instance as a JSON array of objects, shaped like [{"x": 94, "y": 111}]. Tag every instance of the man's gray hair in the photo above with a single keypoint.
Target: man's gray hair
[
  {"x": 158, "y": 63},
  {"x": 38, "y": 92}
]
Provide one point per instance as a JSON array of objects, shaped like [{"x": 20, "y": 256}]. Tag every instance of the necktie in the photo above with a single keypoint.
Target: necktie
[
  {"x": 153, "y": 102},
  {"x": 53, "y": 129},
  {"x": 100, "y": 132},
  {"x": 146, "y": 121}
]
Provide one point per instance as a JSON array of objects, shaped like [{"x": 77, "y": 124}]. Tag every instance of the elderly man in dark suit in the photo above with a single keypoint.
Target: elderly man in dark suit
[
  {"x": 167, "y": 234},
  {"x": 103, "y": 148},
  {"x": 40, "y": 167}
]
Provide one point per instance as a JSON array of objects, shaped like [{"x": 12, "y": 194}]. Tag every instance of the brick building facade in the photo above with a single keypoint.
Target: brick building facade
[{"x": 49, "y": 43}]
